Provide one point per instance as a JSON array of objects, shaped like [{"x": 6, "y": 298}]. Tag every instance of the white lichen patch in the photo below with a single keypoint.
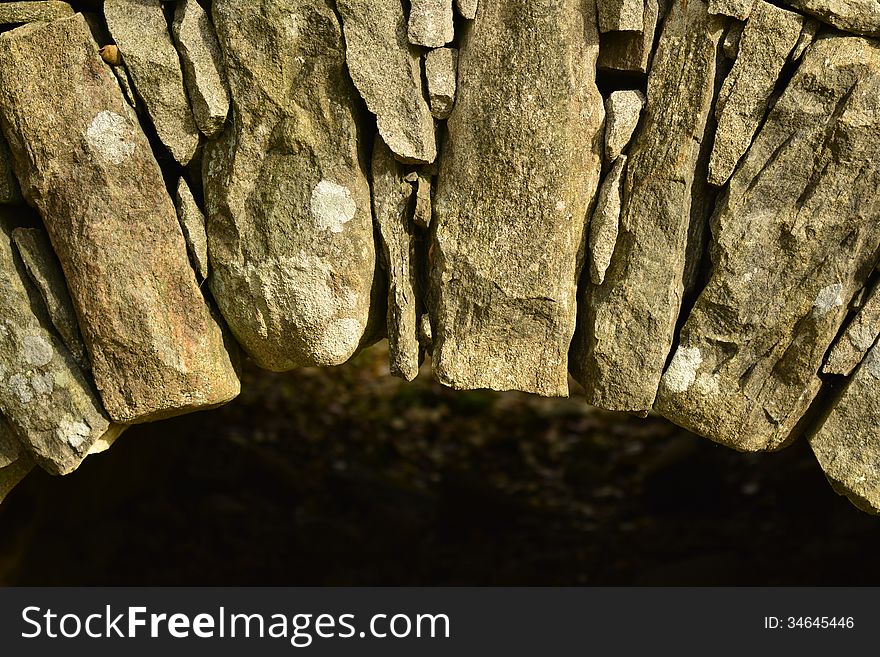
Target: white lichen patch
[
  {"x": 42, "y": 384},
  {"x": 36, "y": 350},
  {"x": 19, "y": 386},
  {"x": 828, "y": 298},
  {"x": 682, "y": 370},
  {"x": 109, "y": 136},
  {"x": 73, "y": 433},
  {"x": 332, "y": 206}
]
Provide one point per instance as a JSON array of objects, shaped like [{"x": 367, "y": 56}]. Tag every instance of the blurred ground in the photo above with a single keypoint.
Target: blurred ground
[{"x": 349, "y": 476}]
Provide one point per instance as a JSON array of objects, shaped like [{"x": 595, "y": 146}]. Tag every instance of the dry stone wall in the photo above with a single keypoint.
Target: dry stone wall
[{"x": 674, "y": 201}]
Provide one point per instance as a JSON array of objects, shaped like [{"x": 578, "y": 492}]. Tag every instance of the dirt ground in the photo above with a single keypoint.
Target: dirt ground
[{"x": 349, "y": 476}]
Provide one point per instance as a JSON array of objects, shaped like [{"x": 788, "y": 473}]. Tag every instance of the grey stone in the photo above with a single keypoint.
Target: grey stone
[
  {"x": 856, "y": 16},
  {"x": 290, "y": 230},
  {"x": 856, "y": 339},
  {"x": 631, "y": 51},
  {"x": 626, "y": 325},
  {"x": 738, "y": 9},
  {"x": 732, "y": 39},
  {"x": 387, "y": 71},
  {"x": 192, "y": 222},
  {"x": 430, "y": 23},
  {"x": 623, "y": 109},
  {"x": 202, "y": 62},
  {"x": 426, "y": 338},
  {"x": 768, "y": 38},
  {"x": 32, "y": 11},
  {"x": 846, "y": 441},
  {"x": 45, "y": 273},
  {"x": 808, "y": 35},
  {"x": 467, "y": 8},
  {"x": 794, "y": 238},
  {"x": 44, "y": 396},
  {"x": 10, "y": 192},
  {"x": 441, "y": 66},
  {"x": 514, "y": 187},
  {"x": 604, "y": 225},
  {"x": 141, "y": 32},
  {"x": 155, "y": 348},
  {"x": 392, "y": 208},
  {"x": 424, "y": 206},
  {"x": 621, "y": 15}
]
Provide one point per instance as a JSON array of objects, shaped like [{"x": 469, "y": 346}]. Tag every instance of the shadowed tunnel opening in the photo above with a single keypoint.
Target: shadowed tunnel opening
[{"x": 349, "y": 476}]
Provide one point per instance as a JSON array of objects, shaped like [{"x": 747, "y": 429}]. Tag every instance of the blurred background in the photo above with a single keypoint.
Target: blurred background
[{"x": 347, "y": 476}]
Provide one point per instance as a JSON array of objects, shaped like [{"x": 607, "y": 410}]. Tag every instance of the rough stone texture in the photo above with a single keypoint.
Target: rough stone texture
[
  {"x": 202, "y": 63},
  {"x": 392, "y": 208},
  {"x": 856, "y": 16},
  {"x": 621, "y": 15},
  {"x": 44, "y": 396},
  {"x": 192, "y": 222},
  {"x": 808, "y": 35},
  {"x": 626, "y": 325},
  {"x": 44, "y": 271},
  {"x": 10, "y": 449},
  {"x": 10, "y": 193},
  {"x": 769, "y": 36},
  {"x": 430, "y": 23},
  {"x": 424, "y": 207},
  {"x": 631, "y": 51},
  {"x": 858, "y": 337},
  {"x": 739, "y": 9},
  {"x": 387, "y": 71},
  {"x": 13, "y": 474},
  {"x": 156, "y": 350},
  {"x": 28, "y": 12},
  {"x": 441, "y": 66},
  {"x": 623, "y": 109},
  {"x": 467, "y": 8},
  {"x": 141, "y": 32},
  {"x": 732, "y": 39},
  {"x": 290, "y": 232},
  {"x": 847, "y": 443},
  {"x": 605, "y": 223},
  {"x": 793, "y": 239},
  {"x": 512, "y": 195}
]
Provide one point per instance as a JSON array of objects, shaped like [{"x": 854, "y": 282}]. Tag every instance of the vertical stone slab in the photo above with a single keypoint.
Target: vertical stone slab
[
  {"x": 846, "y": 441},
  {"x": 856, "y": 339},
  {"x": 387, "y": 71},
  {"x": 156, "y": 349},
  {"x": 794, "y": 238},
  {"x": 392, "y": 208},
  {"x": 13, "y": 474},
  {"x": 44, "y": 396},
  {"x": 767, "y": 40},
  {"x": 141, "y": 32},
  {"x": 626, "y": 324},
  {"x": 514, "y": 188},
  {"x": 290, "y": 231},
  {"x": 202, "y": 64},
  {"x": 44, "y": 271}
]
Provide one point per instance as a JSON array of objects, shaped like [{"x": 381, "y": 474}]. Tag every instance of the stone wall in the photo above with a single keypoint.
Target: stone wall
[{"x": 675, "y": 202}]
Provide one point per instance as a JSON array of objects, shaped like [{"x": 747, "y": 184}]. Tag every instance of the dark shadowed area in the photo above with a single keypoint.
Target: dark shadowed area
[{"x": 349, "y": 476}]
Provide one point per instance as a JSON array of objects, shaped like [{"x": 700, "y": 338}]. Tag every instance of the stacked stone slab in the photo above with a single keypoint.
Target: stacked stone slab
[
  {"x": 794, "y": 238},
  {"x": 156, "y": 349},
  {"x": 514, "y": 188}
]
